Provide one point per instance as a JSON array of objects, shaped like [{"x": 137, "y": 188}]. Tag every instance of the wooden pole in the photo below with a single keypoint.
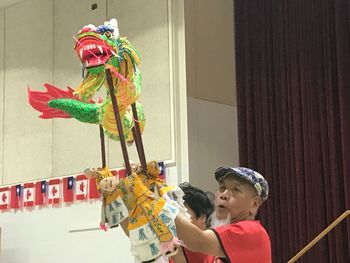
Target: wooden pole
[
  {"x": 103, "y": 148},
  {"x": 138, "y": 139},
  {"x": 118, "y": 121},
  {"x": 321, "y": 235}
]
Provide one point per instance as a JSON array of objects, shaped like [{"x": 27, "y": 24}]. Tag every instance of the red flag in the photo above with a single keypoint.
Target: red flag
[
  {"x": 68, "y": 183},
  {"x": 40, "y": 193},
  {"x": 121, "y": 173},
  {"x": 16, "y": 193},
  {"x": 93, "y": 192},
  {"x": 4, "y": 198},
  {"x": 81, "y": 187},
  {"x": 54, "y": 191},
  {"x": 28, "y": 194}
]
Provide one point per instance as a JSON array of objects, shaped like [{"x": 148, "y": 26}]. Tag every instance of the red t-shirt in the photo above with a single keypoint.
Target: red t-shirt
[
  {"x": 242, "y": 242},
  {"x": 194, "y": 257}
]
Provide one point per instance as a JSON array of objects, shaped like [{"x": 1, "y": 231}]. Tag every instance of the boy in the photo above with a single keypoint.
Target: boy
[
  {"x": 244, "y": 239},
  {"x": 200, "y": 207}
]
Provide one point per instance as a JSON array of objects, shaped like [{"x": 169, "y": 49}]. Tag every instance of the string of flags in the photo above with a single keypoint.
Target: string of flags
[{"x": 54, "y": 191}]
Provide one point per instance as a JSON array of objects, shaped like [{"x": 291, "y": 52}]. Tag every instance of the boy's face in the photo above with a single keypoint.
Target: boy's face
[
  {"x": 239, "y": 198},
  {"x": 200, "y": 221}
]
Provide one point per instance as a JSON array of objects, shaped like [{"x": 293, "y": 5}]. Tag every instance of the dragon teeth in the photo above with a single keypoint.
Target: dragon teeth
[
  {"x": 81, "y": 53},
  {"x": 100, "y": 48}
]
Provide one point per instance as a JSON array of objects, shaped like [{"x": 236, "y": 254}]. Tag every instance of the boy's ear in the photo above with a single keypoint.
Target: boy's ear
[{"x": 202, "y": 219}]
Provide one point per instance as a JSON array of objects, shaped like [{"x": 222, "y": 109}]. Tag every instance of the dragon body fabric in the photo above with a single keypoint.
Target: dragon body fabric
[
  {"x": 142, "y": 198},
  {"x": 98, "y": 48}
]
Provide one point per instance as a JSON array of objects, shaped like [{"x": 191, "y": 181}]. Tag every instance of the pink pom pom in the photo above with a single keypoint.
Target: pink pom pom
[
  {"x": 103, "y": 227},
  {"x": 170, "y": 245}
]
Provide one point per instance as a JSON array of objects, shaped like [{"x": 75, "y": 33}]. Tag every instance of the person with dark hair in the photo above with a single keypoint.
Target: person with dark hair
[
  {"x": 200, "y": 207},
  {"x": 244, "y": 239},
  {"x": 198, "y": 204}
]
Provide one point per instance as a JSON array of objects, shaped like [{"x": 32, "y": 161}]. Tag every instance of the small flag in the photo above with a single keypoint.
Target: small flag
[
  {"x": 121, "y": 173},
  {"x": 40, "y": 193},
  {"x": 162, "y": 170},
  {"x": 114, "y": 172},
  {"x": 54, "y": 191},
  {"x": 4, "y": 198},
  {"x": 16, "y": 193},
  {"x": 81, "y": 187},
  {"x": 68, "y": 183},
  {"x": 28, "y": 194},
  {"x": 93, "y": 192}
]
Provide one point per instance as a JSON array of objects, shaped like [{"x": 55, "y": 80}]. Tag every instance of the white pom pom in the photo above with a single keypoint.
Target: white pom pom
[{"x": 114, "y": 24}]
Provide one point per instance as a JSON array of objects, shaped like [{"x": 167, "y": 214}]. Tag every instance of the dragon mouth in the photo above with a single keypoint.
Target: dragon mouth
[{"x": 92, "y": 51}]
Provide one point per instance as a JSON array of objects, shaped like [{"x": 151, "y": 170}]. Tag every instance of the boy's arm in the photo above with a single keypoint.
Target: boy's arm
[
  {"x": 179, "y": 257},
  {"x": 197, "y": 240}
]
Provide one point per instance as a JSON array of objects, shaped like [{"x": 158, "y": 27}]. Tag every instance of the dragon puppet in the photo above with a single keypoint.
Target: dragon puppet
[
  {"x": 141, "y": 198},
  {"x": 98, "y": 48}
]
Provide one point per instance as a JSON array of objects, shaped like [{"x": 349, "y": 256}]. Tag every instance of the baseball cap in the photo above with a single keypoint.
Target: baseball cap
[{"x": 254, "y": 178}]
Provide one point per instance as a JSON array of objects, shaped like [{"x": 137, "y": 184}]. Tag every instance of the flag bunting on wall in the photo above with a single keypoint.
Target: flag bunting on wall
[
  {"x": 54, "y": 191},
  {"x": 4, "y": 198},
  {"x": 28, "y": 194},
  {"x": 16, "y": 194}
]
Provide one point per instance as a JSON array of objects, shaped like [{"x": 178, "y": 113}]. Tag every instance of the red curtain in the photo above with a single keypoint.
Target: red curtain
[{"x": 293, "y": 97}]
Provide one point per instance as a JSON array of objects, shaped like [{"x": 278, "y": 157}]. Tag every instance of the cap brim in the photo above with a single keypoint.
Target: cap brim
[{"x": 222, "y": 171}]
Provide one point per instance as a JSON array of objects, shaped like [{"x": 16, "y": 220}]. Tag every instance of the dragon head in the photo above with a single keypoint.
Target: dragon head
[
  {"x": 101, "y": 47},
  {"x": 95, "y": 46},
  {"x": 98, "y": 48}
]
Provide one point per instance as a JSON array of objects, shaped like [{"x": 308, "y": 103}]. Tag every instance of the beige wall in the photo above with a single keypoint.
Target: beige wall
[
  {"x": 2, "y": 53},
  {"x": 42, "y": 51},
  {"x": 76, "y": 234},
  {"x": 210, "y": 50},
  {"x": 27, "y": 61},
  {"x": 213, "y": 140},
  {"x": 211, "y": 89}
]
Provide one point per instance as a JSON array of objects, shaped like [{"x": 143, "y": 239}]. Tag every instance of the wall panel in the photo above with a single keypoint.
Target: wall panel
[
  {"x": 28, "y": 60},
  {"x": 210, "y": 50},
  {"x": 53, "y": 148},
  {"x": 2, "y": 53},
  {"x": 145, "y": 23},
  {"x": 76, "y": 145},
  {"x": 213, "y": 140}
]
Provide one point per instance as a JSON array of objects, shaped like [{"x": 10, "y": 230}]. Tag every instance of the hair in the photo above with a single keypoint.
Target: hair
[{"x": 197, "y": 200}]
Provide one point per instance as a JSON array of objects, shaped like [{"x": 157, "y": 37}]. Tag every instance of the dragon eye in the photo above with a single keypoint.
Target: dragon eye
[{"x": 108, "y": 34}]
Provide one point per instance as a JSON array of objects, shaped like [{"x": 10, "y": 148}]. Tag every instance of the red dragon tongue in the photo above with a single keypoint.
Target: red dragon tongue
[
  {"x": 96, "y": 61},
  {"x": 92, "y": 51},
  {"x": 39, "y": 101}
]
